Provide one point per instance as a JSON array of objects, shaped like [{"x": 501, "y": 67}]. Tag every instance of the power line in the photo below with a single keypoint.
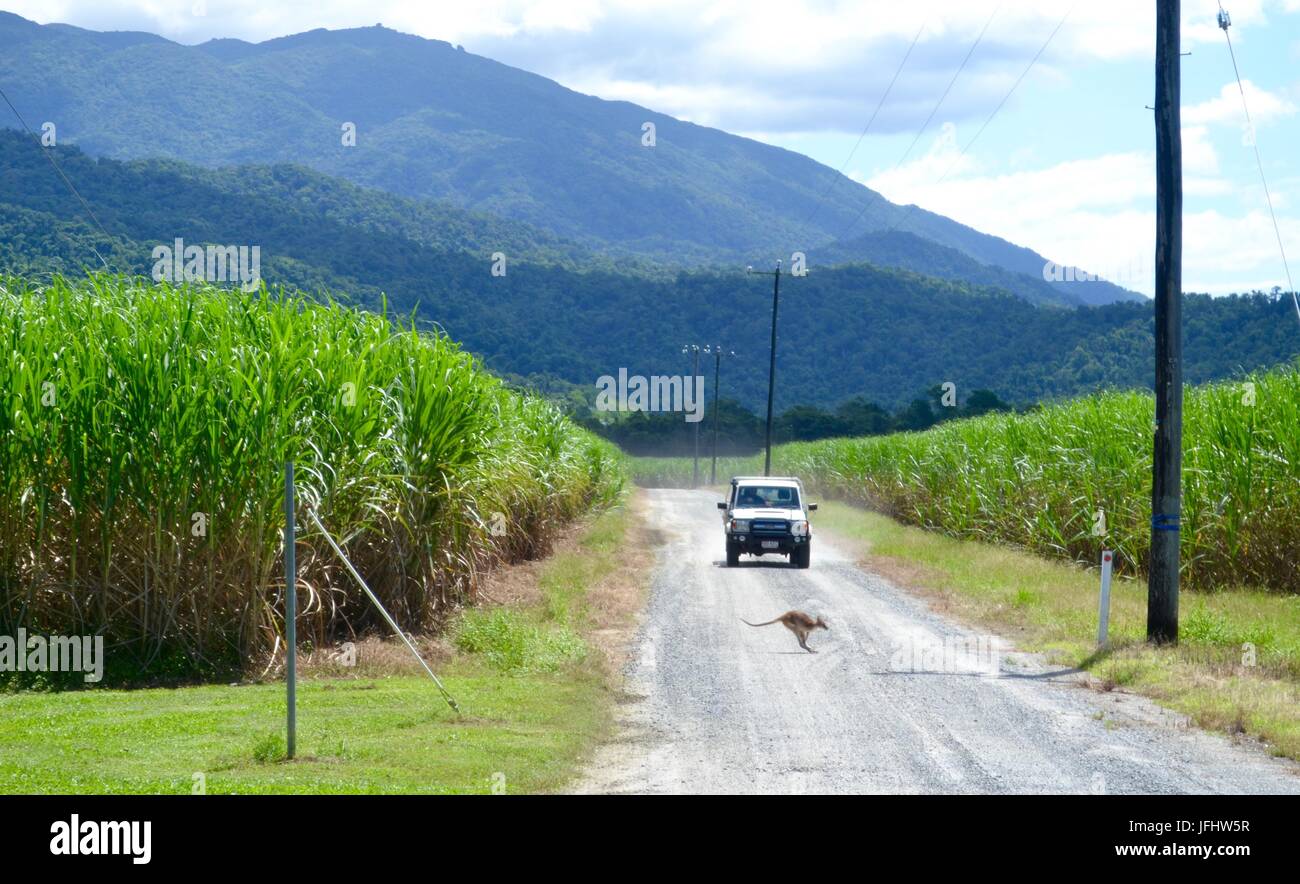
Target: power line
[
  {"x": 934, "y": 110},
  {"x": 835, "y": 179},
  {"x": 989, "y": 119},
  {"x": 49, "y": 155},
  {"x": 1224, "y": 22}
]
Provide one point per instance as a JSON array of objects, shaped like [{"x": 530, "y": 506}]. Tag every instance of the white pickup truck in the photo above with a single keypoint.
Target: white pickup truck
[{"x": 767, "y": 515}]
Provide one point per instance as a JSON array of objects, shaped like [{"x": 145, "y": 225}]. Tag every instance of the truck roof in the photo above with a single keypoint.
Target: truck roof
[{"x": 776, "y": 480}]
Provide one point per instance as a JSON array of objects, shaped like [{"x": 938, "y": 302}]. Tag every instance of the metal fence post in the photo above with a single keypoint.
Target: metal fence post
[{"x": 290, "y": 608}]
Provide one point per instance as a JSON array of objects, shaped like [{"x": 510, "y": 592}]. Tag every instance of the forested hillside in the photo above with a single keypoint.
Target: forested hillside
[{"x": 562, "y": 313}]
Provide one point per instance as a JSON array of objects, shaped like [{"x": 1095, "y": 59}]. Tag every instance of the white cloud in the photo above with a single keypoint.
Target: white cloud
[
  {"x": 1225, "y": 108},
  {"x": 1109, "y": 180},
  {"x": 1223, "y": 253},
  {"x": 1098, "y": 213},
  {"x": 781, "y": 66},
  {"x": 1199, "y": 156}
]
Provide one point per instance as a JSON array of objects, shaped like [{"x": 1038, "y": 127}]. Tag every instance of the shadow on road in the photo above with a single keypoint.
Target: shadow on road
[
  {"x": 722, "y": 563},
  {"x": 1039, "y": 676}
]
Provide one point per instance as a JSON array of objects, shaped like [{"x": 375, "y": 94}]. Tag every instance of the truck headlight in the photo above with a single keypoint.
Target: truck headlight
[
  {"x": 799, "y": 528},
  {"x": 740, "y": 525}
]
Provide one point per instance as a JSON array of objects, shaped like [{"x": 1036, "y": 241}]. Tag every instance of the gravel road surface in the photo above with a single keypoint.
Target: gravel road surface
[{"x": 898, "y": 699}]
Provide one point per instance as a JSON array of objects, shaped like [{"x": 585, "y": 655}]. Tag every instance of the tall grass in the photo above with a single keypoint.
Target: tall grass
[
  {"x": 1038, "y": 480},
  {"x": 142, "y": 439}
]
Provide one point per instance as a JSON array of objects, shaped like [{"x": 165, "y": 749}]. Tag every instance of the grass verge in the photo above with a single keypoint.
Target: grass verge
[
  {"x": 1236, "y": 668},
  {"x": 530, "y": 676}
]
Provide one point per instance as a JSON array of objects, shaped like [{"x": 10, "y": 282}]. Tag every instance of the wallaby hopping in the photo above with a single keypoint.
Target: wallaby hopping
[{"x": 797, "y": 622}]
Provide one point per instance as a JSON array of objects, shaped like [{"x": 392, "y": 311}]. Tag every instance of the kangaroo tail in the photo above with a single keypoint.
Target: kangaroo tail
[{"x": 768, "y": 623}]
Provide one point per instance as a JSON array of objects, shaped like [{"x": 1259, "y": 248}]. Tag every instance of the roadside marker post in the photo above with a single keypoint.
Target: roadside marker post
[
  {"x": 290, "y": 610},
  {"x": 1103, "y": 622}
]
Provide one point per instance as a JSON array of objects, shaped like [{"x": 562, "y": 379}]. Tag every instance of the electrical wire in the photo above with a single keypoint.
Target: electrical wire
[
  {"x": 884, "y": 96},
  {"x": 1259, "y": 161},
  {"x": 50, "y": 156},
  {"x": 934, "y": 110},
  {"x": 989, "y": 119}
]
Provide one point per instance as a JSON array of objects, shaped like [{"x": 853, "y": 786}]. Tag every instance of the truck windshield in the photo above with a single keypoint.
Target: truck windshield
[{"x": 776, "y": 496}]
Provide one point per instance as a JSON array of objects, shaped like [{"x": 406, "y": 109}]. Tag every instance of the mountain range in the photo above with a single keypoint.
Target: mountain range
[{"x": 433, "y": 121}]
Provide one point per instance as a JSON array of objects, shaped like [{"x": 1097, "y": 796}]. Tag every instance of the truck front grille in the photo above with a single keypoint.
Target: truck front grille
[{"x": 769, "y": 526}]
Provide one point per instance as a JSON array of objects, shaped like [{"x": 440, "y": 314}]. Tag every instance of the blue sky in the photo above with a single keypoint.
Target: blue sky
[{"x": 1066, "y": 167}]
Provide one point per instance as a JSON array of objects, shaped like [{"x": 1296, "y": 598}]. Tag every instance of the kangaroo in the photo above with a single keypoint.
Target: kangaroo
[{"x": 797, "y": 622}]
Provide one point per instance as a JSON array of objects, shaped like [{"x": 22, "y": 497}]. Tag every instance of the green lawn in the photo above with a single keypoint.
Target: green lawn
[
  {"x": 376, "y": 735},
  {"x": 534, "y": 701}
]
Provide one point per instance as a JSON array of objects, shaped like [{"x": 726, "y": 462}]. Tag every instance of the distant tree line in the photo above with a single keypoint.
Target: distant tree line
[{"x": 740, "y": 431}]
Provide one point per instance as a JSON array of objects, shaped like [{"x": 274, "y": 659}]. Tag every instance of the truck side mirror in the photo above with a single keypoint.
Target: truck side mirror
[
  {"x": 722, "y": 504},
  {"x": 811, "y": 507}
]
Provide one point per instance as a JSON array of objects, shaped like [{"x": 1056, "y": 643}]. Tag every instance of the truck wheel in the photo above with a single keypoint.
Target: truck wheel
[
  {"x": 802, "y": 555},
  {"x": 733, "y": 554}
]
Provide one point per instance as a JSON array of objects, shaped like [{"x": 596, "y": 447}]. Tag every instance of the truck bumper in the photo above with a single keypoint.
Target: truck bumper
[{"x": 753, "y": 544}]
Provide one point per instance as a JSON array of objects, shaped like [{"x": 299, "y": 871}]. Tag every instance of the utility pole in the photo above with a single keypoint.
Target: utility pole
[
  {"x": 1166, "y": 485},
  {"x": 771, "y": 371},
  {"x": 717, "y": 371},
  {"x": 694, "y": 350}
]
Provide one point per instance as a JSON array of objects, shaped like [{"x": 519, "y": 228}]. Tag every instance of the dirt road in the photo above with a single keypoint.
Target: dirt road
[{"x": 897, "y": 699}]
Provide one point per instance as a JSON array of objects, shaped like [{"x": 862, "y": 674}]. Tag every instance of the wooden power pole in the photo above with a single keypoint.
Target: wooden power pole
[
  {"x": 694, "y": 350},
  {"x": 771, "y": 368},
  {"x": 695, "y": 372},
  {"x": 1166, "y": 485},
  {"x": 717, "y": 373}
]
